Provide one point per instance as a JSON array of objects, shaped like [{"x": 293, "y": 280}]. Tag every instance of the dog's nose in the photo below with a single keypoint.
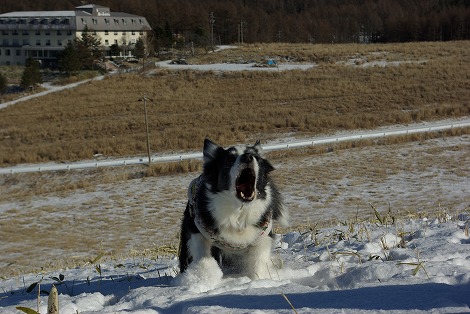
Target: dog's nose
[{"x": 246, "y": 158}]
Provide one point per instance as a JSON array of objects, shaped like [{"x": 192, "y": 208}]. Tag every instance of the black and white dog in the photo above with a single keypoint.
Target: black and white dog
[{"x": 230, "y": 212}]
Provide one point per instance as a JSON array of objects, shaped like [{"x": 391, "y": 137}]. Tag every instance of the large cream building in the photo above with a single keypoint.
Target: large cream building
[{"x": 42, "y": 35}]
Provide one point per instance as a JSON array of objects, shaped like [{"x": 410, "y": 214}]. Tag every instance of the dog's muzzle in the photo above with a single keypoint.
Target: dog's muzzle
[{"x": 245, "y": 183}]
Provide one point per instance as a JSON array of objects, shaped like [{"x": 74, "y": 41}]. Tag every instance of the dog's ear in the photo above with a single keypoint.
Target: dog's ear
[
  {"x": 258, "y": 147},
  {"x": 210, "y": 150}
]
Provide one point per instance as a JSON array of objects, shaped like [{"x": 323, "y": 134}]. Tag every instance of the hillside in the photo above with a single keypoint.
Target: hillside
[
  {"x": 347, "y": 87},
  {"x": 293, "y": 21}
]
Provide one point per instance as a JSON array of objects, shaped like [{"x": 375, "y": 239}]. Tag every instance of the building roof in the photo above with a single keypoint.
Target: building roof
[
  {"x": 28, "y": 14},
  {"x": 95, "y": 17}
]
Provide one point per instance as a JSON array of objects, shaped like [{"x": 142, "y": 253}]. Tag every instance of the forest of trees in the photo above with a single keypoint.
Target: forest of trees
[{"x": 316, "y": 21}]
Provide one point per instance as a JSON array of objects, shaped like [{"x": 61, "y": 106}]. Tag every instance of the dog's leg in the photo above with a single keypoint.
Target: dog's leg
[
  {"x": 198, "y": 247},
  {"x": 259, "y": 262},
  {"x": 203, "y": 272}
]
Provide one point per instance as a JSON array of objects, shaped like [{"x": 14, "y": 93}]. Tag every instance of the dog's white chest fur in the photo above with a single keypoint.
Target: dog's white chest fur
[{"x": 237, "y": 221}]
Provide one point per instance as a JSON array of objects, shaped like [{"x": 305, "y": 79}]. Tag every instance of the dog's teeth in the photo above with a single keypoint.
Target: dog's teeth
[{"x": 242, "y": 194}]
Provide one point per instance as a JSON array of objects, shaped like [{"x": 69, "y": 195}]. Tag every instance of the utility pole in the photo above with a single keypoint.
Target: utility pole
[
  {"x": 212, "y": 22},
  {"x": 239, "y": 30},
  {"x": 144, "y": 99}
]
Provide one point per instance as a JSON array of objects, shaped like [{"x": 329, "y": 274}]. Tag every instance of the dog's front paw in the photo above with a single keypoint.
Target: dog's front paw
[{"x": 201, "y": 276}]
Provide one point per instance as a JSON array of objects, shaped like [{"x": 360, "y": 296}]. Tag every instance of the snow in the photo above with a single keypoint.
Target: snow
[
  {"x": 417, "y": 266},
  {"x": 233, "y": 66}
]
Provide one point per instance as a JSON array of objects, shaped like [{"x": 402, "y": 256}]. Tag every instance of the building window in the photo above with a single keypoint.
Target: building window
[
  {"x": 7, "y": 52},
  {"x": 59, "y": 32},
  {"x": 124, "y": 22},
  {"x": 141, "y": 22},
  {"x": 115, "y": 41},
  {"x": 15, "y": 42},
  {"x": 124, "y": 32},
  {"x": 15, "y": 32},
  {"x": 133, "y": 33},
  {"x": 48, "y": 32},
  {"x": 133, "y": 21},
  {"x": 18, "y": 52},
  {"x": 48, "y": 42},
  {"x": 38, "y": 42},
  {"x": 59, "y": 42},
  {"x": 95, "y": 21},
  {"x": 115, "y": 33},
  {"x": 25, "y": 32},
  {"x": 5, "y": 42},
  {"x": 25, "y": 42},
  {"x": 106, "y": 42},
  {"x": 38, "y": 32},
  {"x": 69, "y": 32},
  {"x": 116, "y": 21},
  {"x": 4, "y": 32},
  {"x": 106, "y": 32},
  {"x": 141, "y": 33},
  {"x": 106, "y": 21},
  {"x": 84, "y": 21}
]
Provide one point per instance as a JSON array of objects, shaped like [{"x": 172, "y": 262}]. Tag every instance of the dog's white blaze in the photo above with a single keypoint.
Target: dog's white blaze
[{"x": 234, "y": 173}]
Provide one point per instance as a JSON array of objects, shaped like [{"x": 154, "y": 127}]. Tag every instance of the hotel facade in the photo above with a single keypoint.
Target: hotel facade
[{"x": 42, "y": 35}]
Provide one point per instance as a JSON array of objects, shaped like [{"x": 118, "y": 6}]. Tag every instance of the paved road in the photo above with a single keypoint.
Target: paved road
[{"x": 429, "y": 127}]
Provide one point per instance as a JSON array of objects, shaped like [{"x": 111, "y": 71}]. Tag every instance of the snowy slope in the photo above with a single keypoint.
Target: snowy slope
[{"x": 414, "y": 266}]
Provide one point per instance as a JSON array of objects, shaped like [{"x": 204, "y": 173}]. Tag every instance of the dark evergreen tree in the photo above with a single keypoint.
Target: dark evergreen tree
[
  {"x": 114, "y": 50},
  {"x": 69, "y": 61},
  {"x": 88, "y": 48},
  {"x": 139, "y": 48},
  {"x": 3, "y": 83},
  {"x": 287, "y": 20},
  {"x": 31, "y": 74}
]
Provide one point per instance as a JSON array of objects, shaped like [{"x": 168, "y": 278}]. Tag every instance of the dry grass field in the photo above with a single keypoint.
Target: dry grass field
[
  {"x": 60, "y": 219},
  {"x": 430, "y": 81}
]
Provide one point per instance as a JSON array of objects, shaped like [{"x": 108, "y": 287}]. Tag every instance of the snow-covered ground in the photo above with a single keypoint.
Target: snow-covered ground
[
  {"x": 233, "y": 66},
  {"x": 413, "y": 266}
]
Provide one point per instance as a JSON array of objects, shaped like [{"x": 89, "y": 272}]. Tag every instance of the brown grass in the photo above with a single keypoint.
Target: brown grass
[{"x": 105, "y": 117}]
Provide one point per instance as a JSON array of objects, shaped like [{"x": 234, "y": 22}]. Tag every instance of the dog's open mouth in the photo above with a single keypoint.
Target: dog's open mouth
[{"x": 245, "y": 185}]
